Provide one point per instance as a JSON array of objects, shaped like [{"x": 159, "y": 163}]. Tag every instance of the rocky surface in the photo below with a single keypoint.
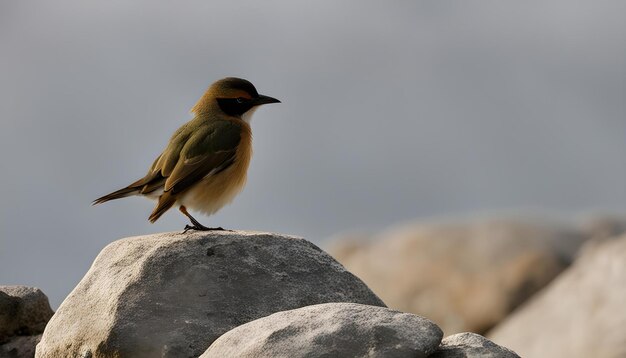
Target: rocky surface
[
  {"x": 8, "y": 314},
  {"x": 465, "y": 276},
  {"x": 172, "y": 295},
  {"x": 331, "y": 330},
  {"x": 471, "y": 345},
  {"x": 580, "y": 314},
  {"x": 20, "y": 347},
  {"x": 24, "y": 312}
]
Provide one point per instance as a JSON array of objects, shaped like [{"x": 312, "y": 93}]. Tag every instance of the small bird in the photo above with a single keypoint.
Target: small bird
[{"x": 205, "y": 163}]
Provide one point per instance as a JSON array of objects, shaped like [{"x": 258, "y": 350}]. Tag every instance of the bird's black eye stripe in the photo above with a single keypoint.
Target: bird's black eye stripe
[{"x": 234, "y": 106}]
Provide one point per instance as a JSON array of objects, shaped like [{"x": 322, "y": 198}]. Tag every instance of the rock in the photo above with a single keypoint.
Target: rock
[
  {"x": 20, "y": 347},
  {"x": 23, "y": 311},
  {"x": 331, "y": 330},
  {"x": 173, "y": 294},
  {"x": 465, "y": 276},
  {"x": 580, "y": 314},
  {"x": 471, "y": 345},
  {"x": 8, "y": 313}
]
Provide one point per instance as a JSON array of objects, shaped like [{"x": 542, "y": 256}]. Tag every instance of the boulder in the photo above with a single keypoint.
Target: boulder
[
  {"x": 580, "y": 314},
  {"x": 20, "y": 347},
  {"x": 331, "y": 330},
  {"x": 8, "y": 316},
  {"x": 471, "y": 345},
  {"x": 465, "y": 276},
  {"x": 24, "y": 312},
  {"x": 173, "y": 294}
]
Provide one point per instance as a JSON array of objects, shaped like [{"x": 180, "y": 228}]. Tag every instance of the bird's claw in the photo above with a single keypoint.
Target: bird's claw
[{"x": 202, "y": 228}]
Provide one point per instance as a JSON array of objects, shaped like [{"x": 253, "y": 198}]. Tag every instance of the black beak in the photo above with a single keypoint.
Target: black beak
[{"x": 264, "y": 100}]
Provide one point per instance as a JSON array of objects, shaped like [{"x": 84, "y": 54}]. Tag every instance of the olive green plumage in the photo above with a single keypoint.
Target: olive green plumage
[
  {"x": 199, "y": 147},
  {"x": 200, "y": 150}
]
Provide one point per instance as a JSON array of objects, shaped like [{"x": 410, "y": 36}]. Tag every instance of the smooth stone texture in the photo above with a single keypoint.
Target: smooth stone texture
[
  {"x": 331, "y": 330},
  {"x": 471, "y": 345},
  {"x": 581, "y": 314},
  {"x": 23, "y": 311},
  {"x": 173, "y": 294},
  {"x": 463, "y": 275}
]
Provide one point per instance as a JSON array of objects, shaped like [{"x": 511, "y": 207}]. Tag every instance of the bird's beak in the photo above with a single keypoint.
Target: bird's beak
[{"x": 264, "y": 100}]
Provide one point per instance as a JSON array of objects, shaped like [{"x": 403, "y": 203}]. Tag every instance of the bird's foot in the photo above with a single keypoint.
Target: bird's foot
[
  {"x": 198, "y": 227},
  {"x": 195, "y": 224}
]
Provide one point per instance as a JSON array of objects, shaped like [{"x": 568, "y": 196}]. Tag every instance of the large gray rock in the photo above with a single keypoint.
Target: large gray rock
[
  {"x": 173, "y": 294},
  {"x": 465, "y": 276},
  {"x": 24, "y": 312},
  {"x": 331, "y": 330},
  {"x": 471, "y": 345},
  {"x": 580, "y": 314}
]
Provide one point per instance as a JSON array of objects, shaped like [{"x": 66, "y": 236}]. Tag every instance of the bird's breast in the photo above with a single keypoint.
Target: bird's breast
[{"x": 216, "y": 190}]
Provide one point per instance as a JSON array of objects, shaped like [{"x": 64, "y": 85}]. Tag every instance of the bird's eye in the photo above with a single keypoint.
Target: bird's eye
[{"x": 240, "y": 100}]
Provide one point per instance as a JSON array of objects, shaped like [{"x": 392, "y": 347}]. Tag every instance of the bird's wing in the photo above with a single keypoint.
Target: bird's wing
[
  {"x": 208, "y": 151},
  {"x": 164, "y": 163}
]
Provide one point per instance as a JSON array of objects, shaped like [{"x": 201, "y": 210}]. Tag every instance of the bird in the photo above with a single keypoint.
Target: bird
[{"x": 204, "y": 165}]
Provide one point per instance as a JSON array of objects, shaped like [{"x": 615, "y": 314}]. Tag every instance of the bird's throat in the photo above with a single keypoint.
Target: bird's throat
[{"x": 247, "y": 116}]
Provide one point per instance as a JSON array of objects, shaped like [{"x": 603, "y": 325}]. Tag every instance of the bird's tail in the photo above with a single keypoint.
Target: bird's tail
[
  {"x": 118, "y": 194},
  {"x": 166, "y": 201}
]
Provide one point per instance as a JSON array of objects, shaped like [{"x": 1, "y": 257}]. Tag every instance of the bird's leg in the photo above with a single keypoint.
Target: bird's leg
[{"x": 196, "y": 225}]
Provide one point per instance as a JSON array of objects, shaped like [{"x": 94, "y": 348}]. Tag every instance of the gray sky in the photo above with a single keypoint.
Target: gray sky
[{"x": 391, "y": 111}]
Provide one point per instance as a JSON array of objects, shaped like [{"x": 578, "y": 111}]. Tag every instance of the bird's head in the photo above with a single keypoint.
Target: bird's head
[{"x": 233, "y": 96}]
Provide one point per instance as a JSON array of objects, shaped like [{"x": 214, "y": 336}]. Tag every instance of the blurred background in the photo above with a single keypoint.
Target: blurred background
[{"x": 392, "y": 112}]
